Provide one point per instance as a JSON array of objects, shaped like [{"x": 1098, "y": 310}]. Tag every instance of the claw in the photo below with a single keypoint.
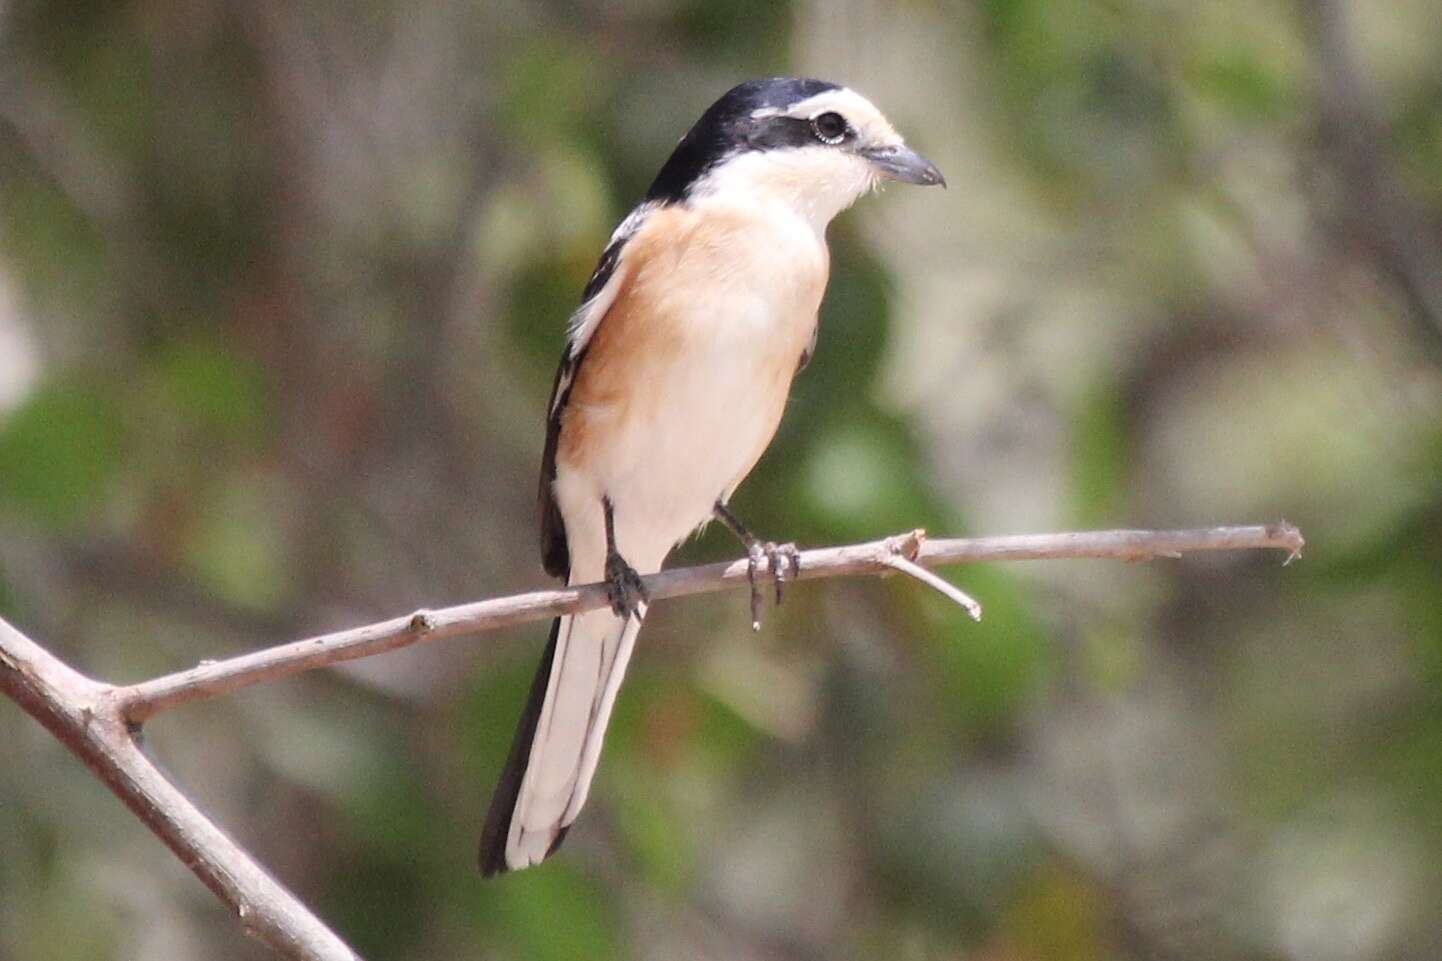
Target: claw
[
  {"x": 624, "y": 588},
  {"x": 782, "y": 560},
  {"x": 754, "y": 553},
  {"x": 778, "y": 573},
  {"x": 785, "y": 562}
]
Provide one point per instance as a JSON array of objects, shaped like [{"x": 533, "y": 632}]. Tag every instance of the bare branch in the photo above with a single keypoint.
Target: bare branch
[
  {"x": 78, "y": 711},
  {"x": 209, "y": 679},
  {"x": 100, "y": 723}
]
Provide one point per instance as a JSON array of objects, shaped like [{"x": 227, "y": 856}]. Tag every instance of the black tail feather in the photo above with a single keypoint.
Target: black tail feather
[{"x": 503, "y": 801}]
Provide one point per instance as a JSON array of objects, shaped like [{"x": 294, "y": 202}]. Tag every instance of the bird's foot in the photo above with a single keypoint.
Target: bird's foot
[
  {"x": 782, "y": 560},
  {"x": 624, "y": 588}
]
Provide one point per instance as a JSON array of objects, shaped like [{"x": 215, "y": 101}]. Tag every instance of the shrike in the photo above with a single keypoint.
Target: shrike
[{"x": 675, "y": 373}]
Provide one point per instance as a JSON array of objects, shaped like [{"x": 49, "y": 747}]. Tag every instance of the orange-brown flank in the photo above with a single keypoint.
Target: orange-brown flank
[{"x": 653, "y": 324}]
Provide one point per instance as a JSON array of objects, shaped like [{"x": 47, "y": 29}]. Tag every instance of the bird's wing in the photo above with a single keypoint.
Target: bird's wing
[{"x": 600, "y": 293}]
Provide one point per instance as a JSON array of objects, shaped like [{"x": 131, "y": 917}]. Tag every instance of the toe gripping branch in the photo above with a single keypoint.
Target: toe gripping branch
[
  {"x": 781, "y": 560},
  {"x": 624, "y": 588}
]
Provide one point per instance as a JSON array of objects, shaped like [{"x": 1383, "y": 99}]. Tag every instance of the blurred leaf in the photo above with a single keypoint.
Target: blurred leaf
[
  {"x": 552, "y": 914},
  {"x": 1091, "y": 104},
  {"x": 9, "y": 601},
  {"x": 972, "y": 819},
  {"x": 750, "y": 34},
  {"x": 854, "y": 323},
  {"x": 1114, "y": 658},
  {"x": 655, "y": 836},
  {"x": 1246, "y": 84},
  {"x": 58, "y": 254},
  {"x": 543, "y": 295},
  {"x": 1418, "y": 132},
  {"x": 58, "y": 451},
  {"x": 382, "y": 904},
  {"x": 554, "y": 84},
  {"x": 398, "y": 867},
  {"x": 1058, "y": 915},
  {"x": 670, "y": 743},
  {"x": 984, "y": 673},
  {"x": 237, "y": 545},
  {"x": 221, "y": 392},
  {"x": 493, "y": 706},
  {"x": 1100, "y": 457},
  {"x": 105, "y": 70}
]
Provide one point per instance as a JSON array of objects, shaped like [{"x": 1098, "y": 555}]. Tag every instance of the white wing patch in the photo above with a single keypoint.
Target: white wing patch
[
  {"x": 587, "y": 318},
  {"x": 584, "y": 321}
]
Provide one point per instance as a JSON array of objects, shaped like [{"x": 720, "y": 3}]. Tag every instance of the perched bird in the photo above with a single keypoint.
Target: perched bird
[{"x": 676, "y": 370}]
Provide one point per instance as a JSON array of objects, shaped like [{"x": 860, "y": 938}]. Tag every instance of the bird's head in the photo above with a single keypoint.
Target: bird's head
[{"x": 809, "y": 144}]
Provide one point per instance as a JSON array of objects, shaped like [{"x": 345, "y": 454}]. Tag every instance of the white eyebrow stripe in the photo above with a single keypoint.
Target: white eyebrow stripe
[
  {"x": 761, "y": 113},
  {"x": 842, "y": 99},
  {"x": 859, "y": 112}
]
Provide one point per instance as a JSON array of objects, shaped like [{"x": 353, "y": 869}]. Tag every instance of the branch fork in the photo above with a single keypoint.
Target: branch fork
[{"x": 904, "y": 551}]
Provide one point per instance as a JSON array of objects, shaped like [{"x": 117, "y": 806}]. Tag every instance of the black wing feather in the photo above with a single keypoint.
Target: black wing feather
[{"x": 555, "y": 554}]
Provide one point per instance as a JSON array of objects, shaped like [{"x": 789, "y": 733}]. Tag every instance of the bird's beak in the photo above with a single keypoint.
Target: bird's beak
[{"x": 899, "y": 162}]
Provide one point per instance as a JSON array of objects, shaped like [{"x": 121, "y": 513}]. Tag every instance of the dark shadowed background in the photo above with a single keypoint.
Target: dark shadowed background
[{"x": 282, "y": 287}]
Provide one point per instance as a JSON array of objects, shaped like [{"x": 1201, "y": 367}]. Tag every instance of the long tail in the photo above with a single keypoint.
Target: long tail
[{"x": 553, "y": 758}]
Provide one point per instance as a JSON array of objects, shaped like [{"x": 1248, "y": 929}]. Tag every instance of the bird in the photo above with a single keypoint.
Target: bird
[{"x": 676, "y": 369}]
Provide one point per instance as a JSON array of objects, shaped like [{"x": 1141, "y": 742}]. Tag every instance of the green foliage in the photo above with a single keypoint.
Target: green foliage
[
  {"x": 236, "y": 549},
  {"x": 213, "y": 394},
  {"x": 554, "y": 88},
  {"x": 1418, "y": 133},
  {"x": 553, "y": 915},
  {"x": 1246, "y": 84},
  {"x": 376, "y": 887},
  {"x": 1081, "y": 88},
  {"x": 1100, "y": 456},
  {"x": 55, "y": 248},
  {"x": 746, "y": 35},
  {"x": 491, "y": 709},
  {"x": 59, "y": 452},
  {"x": 983, "y": 675}
]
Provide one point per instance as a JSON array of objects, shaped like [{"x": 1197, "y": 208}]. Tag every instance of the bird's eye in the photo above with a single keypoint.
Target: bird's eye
[{"x": 829, "y": 127}]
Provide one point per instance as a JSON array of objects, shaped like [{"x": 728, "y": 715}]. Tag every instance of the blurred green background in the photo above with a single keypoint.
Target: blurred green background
[{"x": 282, "y": 287}]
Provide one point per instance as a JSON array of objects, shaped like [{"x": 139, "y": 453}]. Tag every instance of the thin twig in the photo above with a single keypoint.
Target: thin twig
[
  {"x": 939, "y": 584},
  {"x": 210, "y": 679}
]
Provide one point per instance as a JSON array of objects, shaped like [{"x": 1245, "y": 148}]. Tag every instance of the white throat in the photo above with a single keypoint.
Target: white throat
[{"x": 815, "y": 183}]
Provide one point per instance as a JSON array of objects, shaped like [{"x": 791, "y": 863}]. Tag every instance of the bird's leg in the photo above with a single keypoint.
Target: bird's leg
[
  {"x": 623, "y": 585},
  {"x": 778, "y": 558}
]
